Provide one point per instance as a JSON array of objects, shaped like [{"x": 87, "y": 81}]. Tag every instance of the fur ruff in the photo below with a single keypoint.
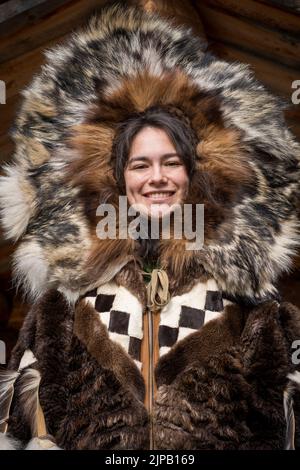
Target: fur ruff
[
  {"x": 247, "y": 168},
  {"x": 222, "y": 386}
]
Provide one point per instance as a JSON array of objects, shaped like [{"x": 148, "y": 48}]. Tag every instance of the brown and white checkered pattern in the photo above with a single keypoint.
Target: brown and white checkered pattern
[
  {"x": 122, "y": 313},
  {"x": 186, "y": 313}
]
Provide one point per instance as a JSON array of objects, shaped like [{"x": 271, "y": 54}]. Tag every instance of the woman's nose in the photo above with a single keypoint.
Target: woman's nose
[{"x": 158, "y": 175}]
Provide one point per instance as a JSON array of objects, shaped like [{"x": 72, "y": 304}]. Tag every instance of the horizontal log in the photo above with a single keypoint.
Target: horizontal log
[
  {"x": 223, "y": 27},
  {"x": 32, "y": 13},
  {"x": 292, "y": 5},
  {"x": 60, "y": 22},
  {"x": 260, "y": 13},
  {"x": 12, "y": 8}
]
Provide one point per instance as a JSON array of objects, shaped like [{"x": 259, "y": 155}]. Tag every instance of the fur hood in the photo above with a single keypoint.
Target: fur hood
[{"x": 247, "y": 168}]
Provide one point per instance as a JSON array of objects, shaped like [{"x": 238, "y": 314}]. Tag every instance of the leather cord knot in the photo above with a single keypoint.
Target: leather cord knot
[{"x": 158, "y": 294}]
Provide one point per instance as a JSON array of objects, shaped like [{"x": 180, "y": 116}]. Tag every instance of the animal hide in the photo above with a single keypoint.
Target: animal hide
[{"x": 218, "y": 387}]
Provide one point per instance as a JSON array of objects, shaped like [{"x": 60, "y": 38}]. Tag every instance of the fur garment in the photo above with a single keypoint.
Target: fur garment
[{"x": 221, "y": 386}]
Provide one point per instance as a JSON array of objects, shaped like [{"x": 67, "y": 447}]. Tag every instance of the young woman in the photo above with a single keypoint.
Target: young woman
[{"x": 199, "y": 353}]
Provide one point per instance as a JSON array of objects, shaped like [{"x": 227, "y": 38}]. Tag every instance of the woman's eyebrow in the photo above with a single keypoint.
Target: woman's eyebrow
[
  {"x": 144, "y": 158},
  {"x": 133, "y": 159}
]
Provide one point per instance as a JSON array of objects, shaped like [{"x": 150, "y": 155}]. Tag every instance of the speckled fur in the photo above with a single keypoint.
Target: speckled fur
[{"x": 247, "y": 158}]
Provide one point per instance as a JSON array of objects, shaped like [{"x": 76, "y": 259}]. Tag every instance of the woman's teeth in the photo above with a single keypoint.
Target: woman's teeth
[{"x": 159, "y": 195}]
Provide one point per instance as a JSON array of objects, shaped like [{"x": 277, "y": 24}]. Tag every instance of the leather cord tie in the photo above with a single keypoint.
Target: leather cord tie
[{"x": 158, "y": 294}]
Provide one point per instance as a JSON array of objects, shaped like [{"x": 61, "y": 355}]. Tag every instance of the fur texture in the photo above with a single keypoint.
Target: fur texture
[
  {"x": 7, "y": 381},
  {"x": 9, "y": 443},
  {"x": 247, "y": 169},
  {"x": 226, "y": 391}
]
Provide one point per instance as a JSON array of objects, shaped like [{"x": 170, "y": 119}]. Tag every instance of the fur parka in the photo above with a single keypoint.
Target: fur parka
[{"x": 229, "y": 384}]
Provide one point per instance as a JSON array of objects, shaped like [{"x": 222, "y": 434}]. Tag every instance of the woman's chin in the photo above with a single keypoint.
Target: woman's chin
[
  {"x": 154, "y": 210},
  {"x": 159, "y": 210}
]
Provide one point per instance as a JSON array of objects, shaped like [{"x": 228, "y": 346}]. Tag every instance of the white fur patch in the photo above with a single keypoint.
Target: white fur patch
[
  {"x": 285, "y": 244},
  {"x": 31, "y": 268},
  {"x": 27, "y": 359},
  {"x": 9, "y": 443},
  {"x": 29, "y": 399},
  {"x": 294, "y": 377},
  {"x": 69, "y": 295},
  {"x": 41, "y": 444},
  {"x": 16, "y": 203},
  {"x": 7, "y": 382},
  {"x": 170, "y": 317}
]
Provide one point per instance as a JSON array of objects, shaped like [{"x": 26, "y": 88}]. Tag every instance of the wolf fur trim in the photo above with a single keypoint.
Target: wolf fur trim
[
  {"x": 41, "y": 443},
  {"x": 29, "y": 395},
  {"x": 247, "y": 168},
  {"x": 9, "y": 443},
  {"x": 7, "y": 382},
  {"x": 290, "y": 419}
]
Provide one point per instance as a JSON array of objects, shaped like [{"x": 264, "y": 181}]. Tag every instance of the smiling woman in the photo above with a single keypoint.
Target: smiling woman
[
  {"x": 155, "y": 175},
  {"x": 155, "y": 139},
  {"x": 200, "y": 356}
]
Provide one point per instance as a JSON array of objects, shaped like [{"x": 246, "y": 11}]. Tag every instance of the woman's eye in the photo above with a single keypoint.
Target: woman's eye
[
  {"x": 139, "y": 167},
  {"x": 174, "y": 163}
]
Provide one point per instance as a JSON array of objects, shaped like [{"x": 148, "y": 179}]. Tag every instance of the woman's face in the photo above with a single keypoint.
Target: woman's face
[{"x": 155, "y": 176}]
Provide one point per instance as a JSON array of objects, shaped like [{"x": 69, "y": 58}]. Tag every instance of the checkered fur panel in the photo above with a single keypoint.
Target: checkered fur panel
[
  {"x": 186, "y": 313},
  {"x": 122, "y": 313}
]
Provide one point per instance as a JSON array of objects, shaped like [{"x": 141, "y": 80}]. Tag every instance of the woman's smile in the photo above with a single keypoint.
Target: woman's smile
[
  {"x": 159, "y": 196},
  {"x": 155, "y": 174}
]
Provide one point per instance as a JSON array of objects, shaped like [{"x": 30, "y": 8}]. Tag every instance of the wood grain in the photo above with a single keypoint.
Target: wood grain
[
  {"x": 43, "y": 31},
  {"x": 259, "y": 13},
  {"x": 265, "y": 42}
]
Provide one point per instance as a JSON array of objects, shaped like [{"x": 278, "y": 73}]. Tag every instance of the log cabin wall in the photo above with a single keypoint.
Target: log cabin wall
[{"x": 264, "y": 34}]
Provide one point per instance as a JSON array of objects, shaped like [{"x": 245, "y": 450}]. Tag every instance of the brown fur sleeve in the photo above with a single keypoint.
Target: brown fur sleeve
[{"x": 47, "y": 332}]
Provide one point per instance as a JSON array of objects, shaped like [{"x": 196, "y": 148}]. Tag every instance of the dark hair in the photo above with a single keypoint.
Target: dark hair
[{"x": 176, "y": 127}]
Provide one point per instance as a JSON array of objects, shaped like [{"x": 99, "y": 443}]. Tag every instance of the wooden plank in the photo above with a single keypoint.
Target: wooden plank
[
  {"x": 55, "y": 25},
  {"x": 260, "y": 13},
  {"x": 223, "y": 27},
  {"x": 292, "y": 5},
  {"x": 16, "y": 7},
  {"x": 24, "y": 14}
]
